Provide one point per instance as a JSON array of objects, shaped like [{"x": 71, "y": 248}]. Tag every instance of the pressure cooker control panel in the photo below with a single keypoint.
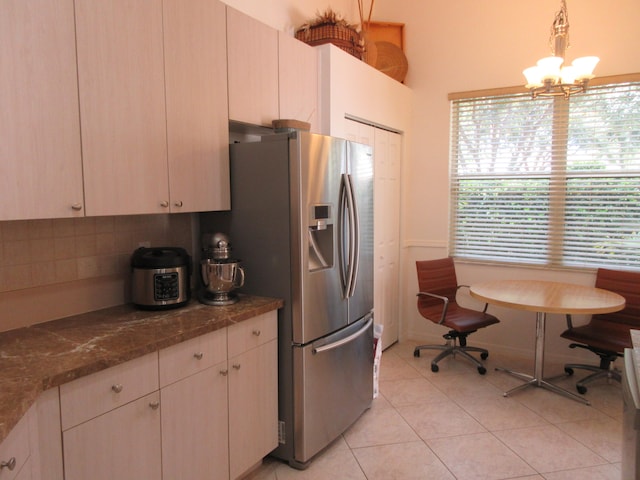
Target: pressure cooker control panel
[{"x": 166, "y": 286}]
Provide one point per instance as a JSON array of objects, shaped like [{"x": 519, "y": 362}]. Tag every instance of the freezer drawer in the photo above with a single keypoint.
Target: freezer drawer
[{"x": 333, "y": 386}]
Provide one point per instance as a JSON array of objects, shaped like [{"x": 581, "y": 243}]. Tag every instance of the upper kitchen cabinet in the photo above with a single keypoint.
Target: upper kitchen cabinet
[
  {"x": 298, "y": 85},
  {"x": 197, "y": 109},
  {"x": 122, "y": 106},
  {"x": 252, "y": 49},
  {"x": 40, "y": 157}
]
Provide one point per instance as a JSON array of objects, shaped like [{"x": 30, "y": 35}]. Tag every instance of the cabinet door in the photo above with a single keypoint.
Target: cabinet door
[
  {"x": 298, "y": 80},
  {"x": 122, "y": 106},
  {"x": 122, "y": 444},
  {"x": 40, "y": 161},
  {"x": 195, "y": 426},
  {"x": 253, "y": 406},
  {"x": 197, "y": 109},
  {"x": 253, "y": 69}
]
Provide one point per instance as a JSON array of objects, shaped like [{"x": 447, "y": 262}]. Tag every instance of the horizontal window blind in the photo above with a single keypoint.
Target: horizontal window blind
[{"x": 550, "y": 181}]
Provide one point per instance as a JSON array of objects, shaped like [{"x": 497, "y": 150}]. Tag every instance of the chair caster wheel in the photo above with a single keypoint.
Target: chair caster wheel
[
  {"x": 568, "y": 371},
  {"x": 482, "y": 370},
  {"x": 416, "y": 353},
  {"x": 581, "y": 389},
  {"x": 434, "y": 367},
  {"x": 484, "y": 355}
]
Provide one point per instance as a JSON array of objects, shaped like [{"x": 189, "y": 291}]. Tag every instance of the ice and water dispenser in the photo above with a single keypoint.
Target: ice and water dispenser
[{"x": 320, "y": 237}]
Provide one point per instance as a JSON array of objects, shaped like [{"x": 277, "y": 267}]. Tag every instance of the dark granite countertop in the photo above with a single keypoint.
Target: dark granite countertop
[{"x": 46, "y": 355}]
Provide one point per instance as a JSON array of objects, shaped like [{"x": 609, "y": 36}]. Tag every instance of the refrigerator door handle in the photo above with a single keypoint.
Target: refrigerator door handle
[
  {"x": 342, "y": 210},
  {"x": 345, "y": 340},
  {"x": 355, "y": 239},
  {"x": 349, "y": 216}
]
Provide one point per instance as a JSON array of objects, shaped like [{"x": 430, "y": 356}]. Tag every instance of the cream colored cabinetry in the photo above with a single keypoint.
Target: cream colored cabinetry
[
  {"x": 152, "y": 87},
  {"x": 45, "y": 437},
  {"x": 197, "y": 112},
  {"x": 387, "y": 175},
  {"x": 193, "y": 381},
  {"x": 253, "y": 391},
  {"x": 252, "y": 52},
  {"x": 15, "y": 462},
  {"x": 40, "y": 159},
  {"x": 298, "y": 80},
  {"x": 122, "y": 106},
  {"x": 111, "y": 423}
]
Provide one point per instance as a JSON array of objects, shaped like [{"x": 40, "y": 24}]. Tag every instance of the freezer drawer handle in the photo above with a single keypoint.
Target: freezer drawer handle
[{"x": 341, "y": 342}]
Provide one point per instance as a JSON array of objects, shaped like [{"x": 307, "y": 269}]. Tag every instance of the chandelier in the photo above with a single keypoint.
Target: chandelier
[{"x": 549, "y": 78}]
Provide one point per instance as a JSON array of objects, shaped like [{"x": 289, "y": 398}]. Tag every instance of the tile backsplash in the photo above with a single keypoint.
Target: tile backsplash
[{"x": 35, "y": 253}]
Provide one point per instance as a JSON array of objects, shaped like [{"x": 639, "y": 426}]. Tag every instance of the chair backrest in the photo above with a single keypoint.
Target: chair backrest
[
  {"x": 437, "y": 277},
  {"x": 624, "y": 283}
]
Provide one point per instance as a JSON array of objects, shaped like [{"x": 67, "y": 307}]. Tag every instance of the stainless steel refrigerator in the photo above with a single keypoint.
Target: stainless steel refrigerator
[{"x": 301, "y": 223}]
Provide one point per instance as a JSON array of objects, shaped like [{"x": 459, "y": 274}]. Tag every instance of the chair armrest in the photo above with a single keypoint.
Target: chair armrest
[
  {"x": 445, "y": 300},
  {"x": 486, "y": 305}
]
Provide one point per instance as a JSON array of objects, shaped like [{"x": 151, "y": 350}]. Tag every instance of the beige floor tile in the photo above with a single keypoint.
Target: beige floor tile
[
  {"x": 466, "y": 385},
  {"x": 379, "y": 427},
  {"x": 479, "y": 456},
  {"x": 411, "y": 391},
  {"x": 337, "y": 461},
  {"x": 403, "y": 461},
  {"x": 393, "y": 367},
  {"x": 549, "y": 449},
  {"x": 556, "y": 408},
  {"x": 444, "y": 419},
  {"x": 604, "y": 437},
  {"x": 501, "y": 413},
  {"x": 600, "y": 472}
]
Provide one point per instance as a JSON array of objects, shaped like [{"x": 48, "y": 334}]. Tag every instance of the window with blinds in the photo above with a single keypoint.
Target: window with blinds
[{"x": 551, "y": 181}]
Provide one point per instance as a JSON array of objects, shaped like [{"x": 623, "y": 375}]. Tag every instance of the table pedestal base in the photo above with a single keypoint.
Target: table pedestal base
[
  {"x": 537, "y": 382},
  {"x": 537, "y": 379}
]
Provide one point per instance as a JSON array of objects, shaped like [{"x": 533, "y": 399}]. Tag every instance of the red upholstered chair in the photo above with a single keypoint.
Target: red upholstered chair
[
  {"x": 438, "y": 286},
  {"x": 607, "y": 334}
]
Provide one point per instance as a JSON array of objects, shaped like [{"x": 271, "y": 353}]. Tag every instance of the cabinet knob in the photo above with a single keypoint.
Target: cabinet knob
[
  {"x": 198, "y": 355},
  {"x": 256, "y": 333},
  {"x": 11, "y": 464},
  {"x": 177, "y": 203},
  {"x": 76, "y": 206},
  {"x": 116, "y": 388},
  {"x": 236, "y": 366},
  {"x": 164, "y": 204},
  {"x": 154, "y": 405},
  {"x": 224, "y": 373}
]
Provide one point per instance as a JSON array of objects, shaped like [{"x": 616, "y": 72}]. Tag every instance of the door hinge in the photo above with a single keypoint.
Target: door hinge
[{"x": 281, "y": 434}]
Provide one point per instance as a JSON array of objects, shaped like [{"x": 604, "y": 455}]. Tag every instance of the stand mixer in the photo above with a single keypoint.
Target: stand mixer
[{"x": 220, "y": 274}]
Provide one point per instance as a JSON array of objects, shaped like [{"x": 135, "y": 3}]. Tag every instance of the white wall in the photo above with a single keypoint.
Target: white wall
[{"x": 464, "y": 45}]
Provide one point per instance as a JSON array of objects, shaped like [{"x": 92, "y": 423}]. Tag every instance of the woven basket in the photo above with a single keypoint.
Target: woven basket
[{"x": 342, "y": 37}]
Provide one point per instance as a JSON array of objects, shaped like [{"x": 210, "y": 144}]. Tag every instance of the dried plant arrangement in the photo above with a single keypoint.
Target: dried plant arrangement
[{"x": 331, "y": 27}]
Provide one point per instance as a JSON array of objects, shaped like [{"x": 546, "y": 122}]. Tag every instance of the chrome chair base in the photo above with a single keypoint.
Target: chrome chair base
[
  {"x": 451, "y": 348},
  {"x": 599, "y": 372}
]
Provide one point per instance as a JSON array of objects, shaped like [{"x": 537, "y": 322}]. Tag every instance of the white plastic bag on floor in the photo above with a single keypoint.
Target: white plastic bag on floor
[{"x": 377, "y": 356}]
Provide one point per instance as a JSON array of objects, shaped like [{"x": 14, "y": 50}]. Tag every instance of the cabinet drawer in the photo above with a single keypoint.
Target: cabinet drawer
[
  {"x": 14, "y": 450},
  {"x": 252, "y": 333},
  {"x": 95, "y": 394},
  {"x": 192, "y": 356}
]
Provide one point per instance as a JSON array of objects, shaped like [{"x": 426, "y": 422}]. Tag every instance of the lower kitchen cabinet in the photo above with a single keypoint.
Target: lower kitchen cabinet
[
  {"x": 253, "y": 392},
  {"x": 195, "y": 428},
  {"x": 123, "y": 443}
]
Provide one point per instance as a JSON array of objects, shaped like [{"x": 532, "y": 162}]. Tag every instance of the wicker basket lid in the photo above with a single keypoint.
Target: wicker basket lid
[{"x": 391, "y": 60}]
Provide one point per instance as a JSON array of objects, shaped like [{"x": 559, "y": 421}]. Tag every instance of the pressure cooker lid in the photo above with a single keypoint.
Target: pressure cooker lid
[{"x": 160, "y": 257}]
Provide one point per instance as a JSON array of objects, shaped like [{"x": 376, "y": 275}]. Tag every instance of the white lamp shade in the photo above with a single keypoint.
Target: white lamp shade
[
  {"x": 568, "y": 74},
  {"x": 584, "y": 66},
  {"x": 533, "y": 76},
  {"x": 550, "y": 67}
]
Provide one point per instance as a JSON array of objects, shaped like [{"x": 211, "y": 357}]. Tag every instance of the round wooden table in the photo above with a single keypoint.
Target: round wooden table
[{"x": 544, "y": 297}]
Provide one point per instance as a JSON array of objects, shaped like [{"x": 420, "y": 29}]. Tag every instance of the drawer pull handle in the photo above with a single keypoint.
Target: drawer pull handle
[
  {"x": 198, "y": 355},
  {"x": 178, "y": 203},
  {"x": 116, "y": 388},
  {"x": 236, "y": 366},
  {"x": 257, "y": 333},
  {"x": 11, "y": 464},
  {"x": 154, "y": 405},
  {"x": 76, "y": 206},
  {"x": 164, "y": 204},
  {"x": 224, "y": 373}
]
